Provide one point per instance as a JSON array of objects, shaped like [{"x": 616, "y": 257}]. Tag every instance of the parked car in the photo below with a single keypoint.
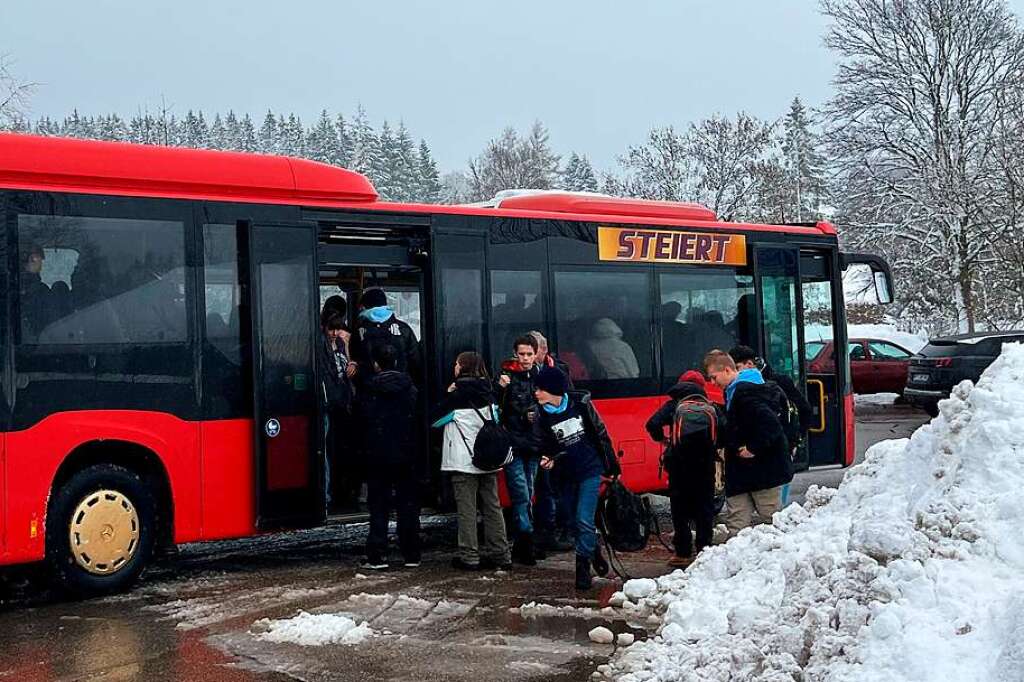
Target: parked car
[
  {"x": 877, "y": 366},
  {"x": 947, "y": 361}
]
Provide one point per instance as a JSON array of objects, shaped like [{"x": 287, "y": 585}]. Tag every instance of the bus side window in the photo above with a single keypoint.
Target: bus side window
[
  {"x": 604, "y": 324},
  {"x": 108, "y": 280},
  {"x": 517, "y": 306}
]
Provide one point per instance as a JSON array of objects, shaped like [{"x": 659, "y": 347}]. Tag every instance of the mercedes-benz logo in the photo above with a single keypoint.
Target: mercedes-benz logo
[{"x": 273, "y": 427}]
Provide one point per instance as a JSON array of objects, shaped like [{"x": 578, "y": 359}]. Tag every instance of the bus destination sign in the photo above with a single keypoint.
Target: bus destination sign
[{"x": 670, "y": 246}]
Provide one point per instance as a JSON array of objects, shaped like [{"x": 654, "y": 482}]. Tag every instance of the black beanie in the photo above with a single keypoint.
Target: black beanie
[
  {"x": 373, "y": 298},
  {"x": 552, "y": 380}
]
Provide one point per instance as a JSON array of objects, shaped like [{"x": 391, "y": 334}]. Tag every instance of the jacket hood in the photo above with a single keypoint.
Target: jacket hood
[
  {"x": 476, "y": 389},
  {"x": 391, "y": 382},
  {"x": 605, "y": 328},
  {"x": 686, "y": 388}
]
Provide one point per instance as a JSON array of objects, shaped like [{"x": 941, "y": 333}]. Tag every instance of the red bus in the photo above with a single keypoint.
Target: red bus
[{"x": 159, "y": 310}]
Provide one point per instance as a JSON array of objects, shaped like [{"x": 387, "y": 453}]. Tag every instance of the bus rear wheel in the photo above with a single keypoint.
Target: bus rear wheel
[{"x": 100, "y": 530}]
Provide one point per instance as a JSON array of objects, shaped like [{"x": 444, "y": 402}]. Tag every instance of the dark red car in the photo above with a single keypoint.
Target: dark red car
[{"x": 877, "y": 366}]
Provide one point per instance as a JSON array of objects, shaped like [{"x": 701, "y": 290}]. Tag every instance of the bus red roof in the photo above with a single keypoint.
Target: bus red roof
[
  {"x": 60, "y": 164},
  {"x": 88, "y": 166},
  {"x": 567, "y": 202}
]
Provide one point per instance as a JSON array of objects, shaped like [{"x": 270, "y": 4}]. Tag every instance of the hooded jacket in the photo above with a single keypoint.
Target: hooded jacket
[
  {"x": 336, "y": 387},
  {"x": 459, "y": 414},
  {"x": 690, "y": 468},
  {"x": 373, "y": 331},
  {"x": 754, "y": 424},
  {"x": 614, "y": 356},
  {"x": 387, "y": 407}
]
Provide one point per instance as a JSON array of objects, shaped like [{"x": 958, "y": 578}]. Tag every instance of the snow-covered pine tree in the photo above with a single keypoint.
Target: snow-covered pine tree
[
  {"x": 578, "y": 175},
  {"x": 344, "y": 144},
  {"x": 365, "y": 149},
  {"x": 509, "y": 162},
  {"x": 403, "y": 166},
  {"x": 291, "y": 136},
  {"x": 194, "y": 131},
  {"x": 804, "y": 162},
  {"x": 246, "y": 139},
  {"x": 218, "y": 134},
  {"x": 429, "y": 190},
  {"x": 267, "y": 140},
  {"x": 383, "y": 170},
  {"x": 232, "y": 132},
  {"x": 322, "y": 141}
]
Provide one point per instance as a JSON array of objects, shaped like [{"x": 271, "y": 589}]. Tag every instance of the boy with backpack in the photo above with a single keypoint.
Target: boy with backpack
[
  {"x": 694, "y": 424},
  {"x": 794, "y": 411},
  {"x": 575, "y": 439},
  {"x": 757, "y": 455}
]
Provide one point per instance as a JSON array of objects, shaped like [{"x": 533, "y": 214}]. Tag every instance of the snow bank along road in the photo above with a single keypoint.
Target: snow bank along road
[{"x": 912, "y": 570}]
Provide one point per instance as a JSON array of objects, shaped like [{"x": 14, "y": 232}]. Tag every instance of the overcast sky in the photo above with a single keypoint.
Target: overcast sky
[{"x": 598, "y": 73}]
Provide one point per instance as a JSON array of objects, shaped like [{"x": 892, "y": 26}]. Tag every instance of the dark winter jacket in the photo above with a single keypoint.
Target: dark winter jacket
[
  {"x": 753, "y": 423},
  {"x": 517, "y": 405},
  {"x": 595, "y": 431},
  {"x": 386, "y": 410},
  {"x": 335, "y": 386},
  {"x": 794, "y": 395},
  {"x": 392, "y": 332},
  {"x": 692, "y": 463}
]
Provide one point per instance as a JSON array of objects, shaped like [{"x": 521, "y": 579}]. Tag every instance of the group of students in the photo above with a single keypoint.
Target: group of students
[
  {"x": 560, "y": 447},
  {"x": 560, "y": 452},
  {"x": 754, "y": 428}
]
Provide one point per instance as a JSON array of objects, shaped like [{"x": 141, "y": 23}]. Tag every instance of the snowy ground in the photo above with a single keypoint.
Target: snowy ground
[{"x": 910, "y": 571}]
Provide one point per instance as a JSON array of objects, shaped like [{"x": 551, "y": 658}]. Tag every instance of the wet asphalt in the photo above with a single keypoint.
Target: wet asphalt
[{"x": 198, "y": 615}]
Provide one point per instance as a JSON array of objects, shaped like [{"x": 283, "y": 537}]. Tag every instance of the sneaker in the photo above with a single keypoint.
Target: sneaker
[
  {"x": 463, "y": 565},
  {"x": 411, "y": 564},
  {"x": 374, "y": 564},
  {"x": 489, "y": 564},
  {"x": 680, "y": 561}
]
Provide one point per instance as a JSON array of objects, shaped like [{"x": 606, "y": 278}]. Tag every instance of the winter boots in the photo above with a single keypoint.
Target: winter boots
[
  {"x": 583, "y": 579},
  {"x": 523, "y": 551}
]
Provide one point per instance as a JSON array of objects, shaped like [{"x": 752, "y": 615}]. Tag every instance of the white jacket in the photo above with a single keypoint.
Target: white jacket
[{"x": 459, "y": 437}]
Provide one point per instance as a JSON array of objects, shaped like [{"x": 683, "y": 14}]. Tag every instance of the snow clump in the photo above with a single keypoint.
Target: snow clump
[
  {"x": 912, "y": 570},
  {"x": 307, "y": 629}
]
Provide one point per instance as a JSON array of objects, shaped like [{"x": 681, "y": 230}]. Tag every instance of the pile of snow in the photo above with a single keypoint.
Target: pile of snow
[
  {"x": 885, "y": 332},
  {"x": 307, "y": 629},
  {"x": 912, "y": 570}
]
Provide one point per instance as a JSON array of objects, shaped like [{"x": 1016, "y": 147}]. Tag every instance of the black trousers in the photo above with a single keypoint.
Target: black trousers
[
  {"x": 692, "y": 501},
  {"x": 398, "y": 490}
]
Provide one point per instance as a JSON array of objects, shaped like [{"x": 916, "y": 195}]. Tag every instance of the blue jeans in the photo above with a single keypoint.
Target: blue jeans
[
  {"x": 519, "y": 476},
  {"x": 581, "y": 496}
]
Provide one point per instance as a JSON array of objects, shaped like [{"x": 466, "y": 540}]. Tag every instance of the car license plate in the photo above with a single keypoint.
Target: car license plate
[{"x": 920, "y": 378}]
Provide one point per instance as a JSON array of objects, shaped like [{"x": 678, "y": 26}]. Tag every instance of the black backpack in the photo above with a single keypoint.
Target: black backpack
[
  {"x": 788, "y": 414},
  {"x": 624, "y": 518},
  {"x": 492, "y": 449}
]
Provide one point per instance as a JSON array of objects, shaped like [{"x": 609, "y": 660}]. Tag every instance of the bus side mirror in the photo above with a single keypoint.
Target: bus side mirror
[{"x": 881, "y": 273}]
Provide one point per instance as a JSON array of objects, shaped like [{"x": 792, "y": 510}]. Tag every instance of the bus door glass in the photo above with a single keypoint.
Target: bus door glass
[
  {"x": 819, "y": 357},
  {"x": 781, "y": 325},
  {"x": 282, "y": 279}
]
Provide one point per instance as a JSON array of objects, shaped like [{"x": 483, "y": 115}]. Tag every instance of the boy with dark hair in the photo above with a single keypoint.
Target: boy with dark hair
[
  {"x": 519, "y": 416},
  {"x": 757, "y": 458},
  {"x": 795, "y": 425},
  {"x": 387, "y": 408},
  {"x": 694, "y": 425},
  {"x": 576, "y": 441}
]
